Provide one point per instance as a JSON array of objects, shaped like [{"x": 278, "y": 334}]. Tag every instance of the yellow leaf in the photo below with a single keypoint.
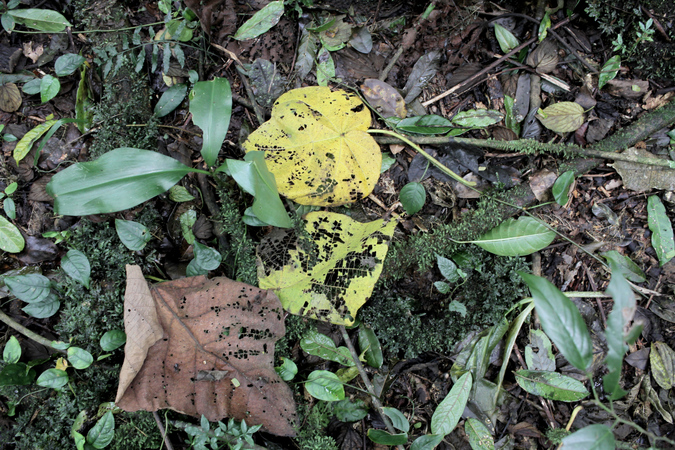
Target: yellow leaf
[
  {"x": 332, "y": 283},
  {"x": 317, "y": 147},
  {"x": 562, "y": 117},
  {"x": 24, "y": 145},
  {"x": 61, "y": 364}
]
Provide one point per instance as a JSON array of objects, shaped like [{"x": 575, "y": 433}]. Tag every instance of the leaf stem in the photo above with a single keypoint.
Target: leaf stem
[{"x": 28, "y": 333}]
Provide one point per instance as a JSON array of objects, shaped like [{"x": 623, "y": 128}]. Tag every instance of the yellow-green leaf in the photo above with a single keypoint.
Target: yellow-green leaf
[
  {"x": 10, "y": 97},
  {"x": 332, "y": 282},
  {"x": 24, "y": 145},
  {"x": 317, "y": 147},
  {"x": 562, "y": 117}
]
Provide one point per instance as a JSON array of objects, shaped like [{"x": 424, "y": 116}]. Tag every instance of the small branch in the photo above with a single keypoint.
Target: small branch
[
  {"x": 28, "y": 333},
  {"x": 162, "y": 431}
]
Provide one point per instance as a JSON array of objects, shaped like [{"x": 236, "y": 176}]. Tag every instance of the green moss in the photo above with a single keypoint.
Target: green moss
[{"x": 312, "y": 434}]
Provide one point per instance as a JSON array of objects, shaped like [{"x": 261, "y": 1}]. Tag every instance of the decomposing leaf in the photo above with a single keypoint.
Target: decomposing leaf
[
  {"x": 361, "y": 40},
  {"x": 306, "y": 54},
  {"x": 562, "y": 117},
  {"x": 662, "y": 360},
  {"x": 334, "y": 281},
  {"x": 267, "y": 82},
  {"x": 204, "y": 347},
  {"x": 639, "y": 177},
  {"x": 335, "y": 37},
  {"x": 628, "y": 89},
  {"x": 10, "y": 97},
  {"x": 423, "y": 71},
  {"x": 384, "y": 98},
  {"x": 317, "y": 147},
  {"x": 544, "y": 58},
  {"x": 551, "y": 385}
]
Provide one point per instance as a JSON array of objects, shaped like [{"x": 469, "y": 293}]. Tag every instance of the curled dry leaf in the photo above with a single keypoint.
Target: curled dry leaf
[
  {"x": 204, "y": 347},
  {"x": 544, "y": 58}
]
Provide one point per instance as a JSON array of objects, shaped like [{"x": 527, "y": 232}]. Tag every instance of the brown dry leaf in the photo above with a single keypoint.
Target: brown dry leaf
[
  {"x": 628, "y": 89},
  {"x": 541, "y": 182},
  {"x": 215, "y": 15},
  {"x": 32, "y": 52},
  {"x": 201, "y": 346},
  {"x": 641, "y": 177},
  {"x": 544, "y": 58},
  {"x": 10, "y": 97},
  {"x": 383, "y": 97}
]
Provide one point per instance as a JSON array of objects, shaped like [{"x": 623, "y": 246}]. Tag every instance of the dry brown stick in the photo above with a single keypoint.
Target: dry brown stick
[{"x": 162, "y": 431}]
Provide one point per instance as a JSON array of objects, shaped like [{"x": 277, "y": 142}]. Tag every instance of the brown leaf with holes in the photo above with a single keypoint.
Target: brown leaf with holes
[{"x": 204, "y": 347}]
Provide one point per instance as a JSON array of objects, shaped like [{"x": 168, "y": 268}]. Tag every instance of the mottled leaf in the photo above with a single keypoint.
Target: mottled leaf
[
  {"x": 261, "y": 21},
  {"x": 384, "y": 98},
  {"x": 662, "y": 230},
  {"x": 11, "y": 239},
  {"x": 551, "y": 385},
  {"x": 480, "y": 437},
  {"x": 562, "y": 117}
]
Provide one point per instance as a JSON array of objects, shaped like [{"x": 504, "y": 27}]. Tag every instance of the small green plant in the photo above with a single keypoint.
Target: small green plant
[
  {"x": 234, "y": 436},
  {"x": 645, "y": 33},
  {"x": 37, "y": 19},
  {"x": 8, "y": 204}
]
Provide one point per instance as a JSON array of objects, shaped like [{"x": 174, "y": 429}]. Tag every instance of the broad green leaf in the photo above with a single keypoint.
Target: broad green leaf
[
  {"x": 49, "y": 88},
  {"x": 398, "y": 420},
  {"x": 40, "y": 19},
  {"x": 320, "y": 345},
  {"x": 254, "y": 177},
  {"x": 335, "y": 37},
  {"x": 334, "y": 283},
  {"x": 206, "y": 259},
  {"x": 561, "y": 187},
  {"x": 317, "y": 147},
  {"x": 44, "y": 308},
  {"x": 479, "y": 436},
  {"x": 32, "y": 87},
  {"x": 426, "y": 442},
  {"x": 11, "y": 239},
  {"x": 12, "y": 351},
  {"x": 544, "y": 25},
  {"x": 7, "y": 22},
  {"x": 9, "y": 208},
  {"x": 516, "y": 237},
  {"x": 67, "y": 64},
  {"x": 385, "y": 438},
  {"x": 76, "y": 265},
  {"x": 171, "y": 99},
  {"x": 84, "y": 101},
  {"x": 261, "y": 21},
  {"x": 211, "y": 108},
  {"x": 458, "y": 307},
  {"x": 187, "y": 221},
  {"x": 133, "y": 235},
  {"x": 325, "y": 67},
  {"x": 448, "y": 269},
  {"x": 507, "y": 41},
  {"x": 24, "y": 145},
  {"x": 60, "y": 345},
  {"x": 325, "y": 385},
  {"x": 592, "y": 437},
  {"x": 387, "y": 162},
  {"x": 662, "y": 361},
  {"x": 30, "y": 288},
  {"x": 370, "y": 346},
  {"x": 180, "y": 194},
  {"x": 618, "y": 320},
  {"x": 347, "y": 374},
  {"x": 118, "y": 180},
  {"x": 543, "y": 359},
  {"x": 625, "y": 266},
  {"x": 52, "y": 378},
  {"x": 112, "y": 340},
  {"x": 431, "y": 124},
  {"x": 287, "y": 370},
  {"x": 412, "y": 197},
  {"x": 551, "y": 385},
  {"x": 103, "y": 432},
  {"x": 561, "y": 321},
  {"x": 16, "y": 375},
  {"x": 350, "y": 411},
  {"x": 450, "y": 410},
  {"x": 609, "y": 71},
  {"x": 477, "y": 118},
  {"x": 442, "y": 287},
  {"x": 79, "y": 358},
  {"x": 562, "y": 117},
  {"x": 662, "y": 230}
]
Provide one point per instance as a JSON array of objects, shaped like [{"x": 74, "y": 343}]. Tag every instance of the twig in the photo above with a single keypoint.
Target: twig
[
  {"x": 28, "y": 333},
  {"x": 385, "y": 73},
  {"x": 162, "y": 430}
]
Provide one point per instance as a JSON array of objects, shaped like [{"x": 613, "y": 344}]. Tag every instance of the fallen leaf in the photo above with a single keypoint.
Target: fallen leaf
[
  {"x": 384, "y": 98},
  {"x": 628, "y": 89},
  {"x": 204, "y": 347},
  {"x": 10, "y": 97},
  {"x": 31, "y": 52},
  {"x": 640, "y": 177},
  {"x": 562, "y": 117}
]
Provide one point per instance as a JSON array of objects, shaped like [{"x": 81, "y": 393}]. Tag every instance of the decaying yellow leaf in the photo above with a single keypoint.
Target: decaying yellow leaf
[
  {"x": 332, "y": 282},
  {"x": 317, "y": 147},
  {"x": 385, "y": 98}
]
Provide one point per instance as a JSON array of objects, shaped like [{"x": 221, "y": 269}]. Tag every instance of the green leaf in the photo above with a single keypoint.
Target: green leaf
[
  {"x": 84, "y": 101},
  {"x": 320, "y": 345},
  {"x": 306, "y": 54},
  {"x": 12, "y": 351},
  {"x": 609, "y": 71},
  {"x": 507, "y": 41},
  {"x": 76, "y": 265},
  {"x": 516, "y": 237},
  {"x": 561, "y": 187},
  {"x": 261, "y": 21},
  {"x": 103, "y": 432},
  {"x": 350, "y": 411},
  {"x": 370, "y": 346},
  {"x": 112, "y": 340},
  {"x": 180, "y": 194},
  {"x": 211, "y": 108},
  {"x": 10, "y": 208},
  {"x": 662, "y": 361},
  {"x": 450, "y": 410},
  {"x": 16, "y": 375},
  {"x": 544, "y": 25},
  {"x": 11, "y": 239},
  {"x": 398, "y": 420},
  {"x": 7, "y": 22},
  {"x": 32, "y": 87},
  {"x": 30, "y": 288},
  {"x": 67, "y": 64},
  {"x": 662, "y": 230},
  {"x": 325, "y": 67},
  {"x": 592, "y": 437},
  {"x": 561, "y": 321},
  {"x": 118, "y": 180},
  {"x": 386, "y": 438},
  {"x": 325, "y": 385},
  {"x": 477, "y": 118},
  {"x": 458, "y": 307},
  {"x": 79, "y": 358},
  {"x": 480, "y": 437},
  {"x": 387, "y": 162},
  {"x": 412, "y": 197},
  {"x": 625, "y": 266},
  {"x": 206, "y": 258},
  {"x": 24, "y": 145},
  {"x": 171, "y": 99},
  {"x": 53, "y": 378},
  {"x": 40, "y": 19},
  {"x": 562, "y": 117},
  {"x": 551, "y": 385},
  {"x": 49, "y": 88},
  {"x": 133, "y": 235},
  {"x": 187, "y": 221},
  {"x": 431, "y": 124},
  {"x": 287, "y": 370},
  {"x": 448, "y": 269},
  {"x": 44, "y": 308},
  {"x": 426, "y": 442}
]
